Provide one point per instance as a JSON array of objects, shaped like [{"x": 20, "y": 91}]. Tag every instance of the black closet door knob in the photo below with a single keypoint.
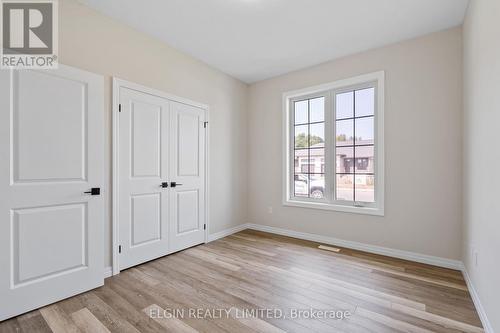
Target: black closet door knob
[
  {"x": 164, "y": 184},
  {"x": 94, "y": 191}
]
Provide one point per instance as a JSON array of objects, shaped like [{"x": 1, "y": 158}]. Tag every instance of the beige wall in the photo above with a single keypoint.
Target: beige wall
[
  {"x": 422, "y": 148},
  {"x": 96, "y": 43},
  {"x": 481, "y": 156}
]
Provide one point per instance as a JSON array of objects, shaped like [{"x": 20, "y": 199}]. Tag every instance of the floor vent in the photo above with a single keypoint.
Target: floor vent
[{"x": 329, "y": 248}]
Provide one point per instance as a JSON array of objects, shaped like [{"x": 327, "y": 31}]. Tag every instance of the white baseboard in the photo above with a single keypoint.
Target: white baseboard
[
  {"x": 412, "y": 256},
  {"x": 108, "y": 271},
  {"x": 477, "y": 303},
  {"x": 227, "y": 232}
]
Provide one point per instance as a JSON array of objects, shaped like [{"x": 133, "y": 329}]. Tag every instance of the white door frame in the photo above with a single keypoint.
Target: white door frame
[{"x": 117, "y": 84}]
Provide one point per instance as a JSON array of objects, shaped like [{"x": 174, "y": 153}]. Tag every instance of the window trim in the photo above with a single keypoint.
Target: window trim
[{"x": 329, "y": 90}]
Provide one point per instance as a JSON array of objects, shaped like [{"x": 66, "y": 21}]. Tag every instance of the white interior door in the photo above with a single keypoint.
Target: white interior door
[
  {"x": 161, "y": 181},
  {"x": 187, "y": 172},
  {"x": 143, "y": 167},
  {"x": 51, "y": 146}
]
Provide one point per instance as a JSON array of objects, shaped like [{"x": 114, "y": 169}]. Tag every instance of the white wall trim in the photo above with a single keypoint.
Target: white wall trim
[
  {"x": 108, "y": 272},
  {"x": 407, "y": 255},
  {"x": 117, "y": 84},
  {"x": 488, "y": 328},
  {"x": 227, "y": 232}
]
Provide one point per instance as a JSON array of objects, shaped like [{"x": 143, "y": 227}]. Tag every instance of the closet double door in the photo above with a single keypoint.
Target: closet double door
[{"x": 161, "y": 176}]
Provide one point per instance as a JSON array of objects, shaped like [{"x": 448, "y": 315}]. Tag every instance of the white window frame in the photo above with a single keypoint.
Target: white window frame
[{"x": 329, "y": 90}]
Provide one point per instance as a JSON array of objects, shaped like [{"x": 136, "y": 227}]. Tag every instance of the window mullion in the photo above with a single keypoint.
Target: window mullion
[
  {"x": 291, "y": 162},
  {"x": 331, "y": 149},
  {"x": 308, "y": 148},
  {"x": 354, "y": 148}
]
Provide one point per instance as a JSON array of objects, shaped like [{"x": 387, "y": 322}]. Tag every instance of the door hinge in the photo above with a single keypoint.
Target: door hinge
[
  {"x": 204, "y": 227},
  {"x": 119, "y": 108},
  {"x": 119, "y": 249},
  {"x": 205, "y": 123}
]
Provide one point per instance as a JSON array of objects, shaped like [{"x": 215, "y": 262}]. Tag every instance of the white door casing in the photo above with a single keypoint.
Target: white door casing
[
  {"x": 51, "y": 148},
  {"x": 158, "y": 139}
]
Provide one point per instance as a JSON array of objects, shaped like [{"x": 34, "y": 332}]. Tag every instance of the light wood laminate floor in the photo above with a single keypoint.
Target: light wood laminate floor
[{"x": 250, "y": 271}]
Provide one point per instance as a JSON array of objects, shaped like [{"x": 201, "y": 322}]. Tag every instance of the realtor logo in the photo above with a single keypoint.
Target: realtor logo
[{"x": 29, "y": 34}]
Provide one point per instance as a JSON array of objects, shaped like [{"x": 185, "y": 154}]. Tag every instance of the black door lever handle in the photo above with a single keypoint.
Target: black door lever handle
[
  {"x": 94, "y": 191},
  {"x": 164, "y": 184},
  {"x": 174, "y": 184}
]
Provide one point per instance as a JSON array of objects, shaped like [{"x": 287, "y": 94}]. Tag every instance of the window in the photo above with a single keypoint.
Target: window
[
  {"x": 354, "y": 113},
  {"x": 309, "y": 146},
  {"x": 334, "y": 146}
]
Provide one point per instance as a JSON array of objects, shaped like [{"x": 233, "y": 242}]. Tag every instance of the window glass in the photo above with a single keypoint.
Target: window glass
[
  {"x": 301, "y": 157},
  {"x": 302, "y": 136},
  {"x": 316, "y": 157},
  {"x": 301, "y": 185},
  {"x": 317, "y": 137},
  {"x": 365, "y": 188},
  {"x": 309, "y": 152},
  {"x": 354, "y": 149},
  {"x": 344, "y": 106},
  {"x": 364, "y": 130},
  {"x": 344, "y": 132},
  {"x": 317, "y": 186},
  {"x": 364, "y": 159},
  {"x": 345, "y": 187},
  {"x": 344, "y": 159},
  {"x": 317, "y": 106},
  {"x": 301, "y": 112},
  {"x": 365, "y": 102}
]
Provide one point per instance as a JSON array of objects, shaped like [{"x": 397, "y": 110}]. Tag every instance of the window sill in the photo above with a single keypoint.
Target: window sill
[{"x": 377, "y": 211}]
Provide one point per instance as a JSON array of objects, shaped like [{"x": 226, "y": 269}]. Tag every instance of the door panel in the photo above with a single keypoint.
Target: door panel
[
  {"x": 35, "y": 241},
  {"x": 37, "y": 138},
  {"x": 188, "y": 134},
  {"x": 187, "y": 211},
  {"x": 146, "y": 221},
  {"x": 146, "y": 126},
  {"x": 51, "y": 135},
  {"x": 143, "y": 142},
  {"x": 187, "y": 160}
]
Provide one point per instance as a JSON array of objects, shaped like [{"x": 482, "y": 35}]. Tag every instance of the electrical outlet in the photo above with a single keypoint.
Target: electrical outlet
[{"x": 270, "y": 209}]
